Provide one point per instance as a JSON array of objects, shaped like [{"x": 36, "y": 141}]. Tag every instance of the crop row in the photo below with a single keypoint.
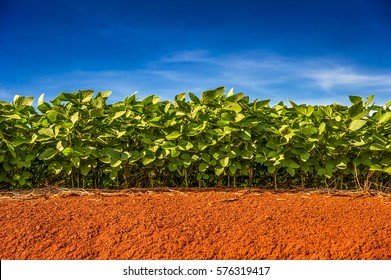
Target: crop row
[{"x": 218, "y": 139}]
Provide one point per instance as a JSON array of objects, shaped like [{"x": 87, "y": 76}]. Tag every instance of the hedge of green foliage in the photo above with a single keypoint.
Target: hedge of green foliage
[{"x": 218, "y": 139}]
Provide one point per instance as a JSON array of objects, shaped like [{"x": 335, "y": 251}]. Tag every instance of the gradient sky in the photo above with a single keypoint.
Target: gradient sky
[{"x": 316, "y": 52}]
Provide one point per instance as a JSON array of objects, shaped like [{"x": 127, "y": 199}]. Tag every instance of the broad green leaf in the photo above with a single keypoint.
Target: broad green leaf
[
  {"x": 75, "y": 117},
  {"x": 369, "y": 100},
  {"x": 385, "y": 117},
  {"x": 75, "y": 161},
  {"x": 52, "y": 116},
  {"x": 239, "y": 117},
  {"x": 185, "y": 145},
  {"x": 85, "y": 169},
  {"x": 341, "y": 165},
  {"x": 113, "y": 175},
  {"x": 59, "y": 146},
  {"x": 230, "y": 106},
  {"x": 56, "y": 167},
  {"x": 12, "y": 116},
  {"x": 205, "y": 157},
  {"x": 175, "y": 153},
  {"x": 118, "y": 114},
  {"x": 387, "y": 170},
  {"x": 232, "y": 168},
  {"x": 67, "y": 151},
  {"x": 115, "y": 163},
  {"x": 23, "y": 100},
  {"x": 173, "y": 135},
  {"x": 180, "y": 97},
  {"x": 46, "y": 132},
  {"x": 355, "y": 99},
  {"x": 293, "y": 164},
  {"x": 298, "y": 108},
  {"x": 219, "y": 171},
  {"x": 43, "y": 106},
  {"x": 271, "y": 169},
  {"x": 104, "y": 94},
  {"x": 356, "y": 124},
  {"x": 48, "y": 154},
  {"x": 172, "y": 166},
  {"x": 86, "y": 95},
  {"x": 203, "y": 167},
  {"x": 305, "y": 156},
  {"x": 194, "y": 98},
  {"x": 224, "y": 162},
  {"x": 291, "y": 171},
  {"x": 19, "y": 141},
  {"x": 168, "y": 145},
  {"x": 147, "y": 160},
  {"x": 309, "y": 111}
]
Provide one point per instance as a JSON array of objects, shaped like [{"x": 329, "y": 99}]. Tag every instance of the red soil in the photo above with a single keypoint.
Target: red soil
[{"x": 212, "y": 224}]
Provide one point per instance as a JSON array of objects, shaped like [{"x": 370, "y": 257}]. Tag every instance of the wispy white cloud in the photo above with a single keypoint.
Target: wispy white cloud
[
  {"x": 338, "y": 76},
  {"x": 261, "y": 75},
  {"x": 188, "y": 56}
]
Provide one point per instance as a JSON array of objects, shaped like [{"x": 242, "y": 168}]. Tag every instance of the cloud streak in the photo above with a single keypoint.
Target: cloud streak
[{"x": 260, "y": 75}]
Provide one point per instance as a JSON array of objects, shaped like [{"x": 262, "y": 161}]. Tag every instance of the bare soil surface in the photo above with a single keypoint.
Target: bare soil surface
[{"x": 195, "y": 224}]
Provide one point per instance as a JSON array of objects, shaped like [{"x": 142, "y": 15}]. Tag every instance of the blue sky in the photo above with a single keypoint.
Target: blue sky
[{"x": 316, "y": 52}]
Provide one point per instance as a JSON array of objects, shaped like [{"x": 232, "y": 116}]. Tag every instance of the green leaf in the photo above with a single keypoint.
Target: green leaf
[
  {"x": 48, "y": 154},
  {"x": 85, "y": 169},
  {"x": 180, "y": 97},
  {"x": 355, "y": 99},
  {"x": 239, "y": 117},
  {"x": 194, "y": 98},
  {"x": 172, "y": 166},
  {"x": 232, "y": 169},
  {"x": 185, "y": 145},
  {"x": 173, "y": 135},
  {"x": 305, "y": 156},
  {"x": 46, "y": 132},
  {"x": 147, "y": 160},
  {"x": 115, "y": 162},
  {"x": 384, "y": 118},
  {"x": 113, "y": 175},
  {"x": 67, "y": 151},
  {"x": 369, "y": 100},
  {"x": 205, "y": 157},
  {"x": 203, "y": 167},
  {"x": 23, "y": 100},
  {"x": 19, "y": 141},
  {"x": 356, "y": 124},
  {"x": 75, "y": 161},
  {"x": 230, "y": 106},
  {"x": 86, "y": 95},
  {"x": 291, "y": 171},
  {"x": 52, "y": 116},
  {"x": 12, "y": 116},
  {"x": 341, "y": 165},
  {"x": 271, "y": 169},
  {"x": 387, "y": 170},
  {"x": 118, "y": 114},
  {"x": 43, "y": 106},
  {"x": 224, "y": 162},
  {"x": 322, "y": 128},
  {"x": 75, "y": 117},
  {"x": 56, "y": 167},
  {"x": 219, "y": 171},
  {"x": 175, "y": 153},
  {"x": 298, "y": 108}
]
